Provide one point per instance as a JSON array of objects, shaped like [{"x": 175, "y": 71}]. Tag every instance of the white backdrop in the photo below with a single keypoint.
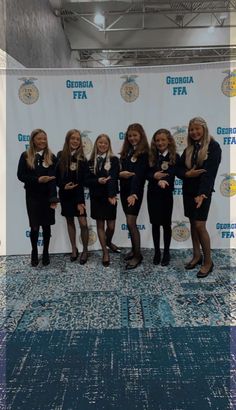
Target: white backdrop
[{"x": 107, "y": 101}]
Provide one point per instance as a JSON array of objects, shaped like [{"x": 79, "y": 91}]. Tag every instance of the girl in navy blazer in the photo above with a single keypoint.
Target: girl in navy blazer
[
  {"x": 198, "y": 168},
  {"x": 134, "y": 165},
  {"x": 161, "y": 176},
  {"x": 72, "y": 170},
  {"x": 103, "y": 186},
  {"x": 37, "y": 170}
]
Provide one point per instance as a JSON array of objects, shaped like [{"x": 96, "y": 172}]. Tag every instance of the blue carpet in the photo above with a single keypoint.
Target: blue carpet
[{"x": 88, "y": 337}]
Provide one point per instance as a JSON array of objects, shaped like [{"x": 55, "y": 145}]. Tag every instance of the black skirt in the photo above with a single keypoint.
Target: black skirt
[
  {"x": 39, "y": 211},
  {"x": 102, "y": 209},
  {"x": 160, "y": 207},
  {"x": 130, "y": 210},
  {"x": 196, "y": 214}
]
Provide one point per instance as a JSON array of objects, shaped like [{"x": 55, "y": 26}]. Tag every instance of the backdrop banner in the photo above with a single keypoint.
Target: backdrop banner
[{"x": 107, "y": 101}]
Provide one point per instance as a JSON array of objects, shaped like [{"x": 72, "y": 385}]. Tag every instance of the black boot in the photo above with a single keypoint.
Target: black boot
[
  {"x": 34, "y": 257},
  {"x": 46, "y": 240},
  {"x": 166, "y": 258},
  {"x": 34, "y": 233},
  {"x": 157, "y": 257}
]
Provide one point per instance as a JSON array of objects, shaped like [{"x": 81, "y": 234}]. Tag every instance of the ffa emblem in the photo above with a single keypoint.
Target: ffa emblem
[
  {"x": 129, "y": 90},
  {"x": 28, "y": 92},
  {"x": 87, "y": 143},
  {"x": 133, "y": 159},
  {"x": 228, "y": 86},
  {"x": 107, "y": 166},
  {"x": 164, "y": 165},
  {"x": 180, "y": 136},
  {"x": 180, "y": 232},
  {"x": 45, "y": 165},
  {"x": 73, "y": 166},
  {"x": 228, "y": 185}
]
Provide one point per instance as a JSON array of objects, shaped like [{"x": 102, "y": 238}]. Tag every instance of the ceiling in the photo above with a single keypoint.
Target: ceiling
[{"x": 148, "y": 32}]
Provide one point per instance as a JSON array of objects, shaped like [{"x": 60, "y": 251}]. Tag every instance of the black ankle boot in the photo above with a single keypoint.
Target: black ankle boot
[
  {"x": 45, "y": 259},
  {"x": 166, "y": 259},
  {"x": 34, "y": 258},
  {"x": 157, "y": 258}
]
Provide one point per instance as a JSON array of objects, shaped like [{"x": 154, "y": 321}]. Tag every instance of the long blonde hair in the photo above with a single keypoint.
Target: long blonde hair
[
  {"x": 94, "y": 153},
  {"x": 171, "y": 147},
  {"x": 202, "y": 154},
  {"x": 31, "y": 151},
  {"x": 142, "y": 146},
  {"x": 65, "y": 157}
]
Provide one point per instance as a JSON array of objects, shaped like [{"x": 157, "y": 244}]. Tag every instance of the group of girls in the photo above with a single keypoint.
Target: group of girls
[{"x": 41, "y": 171}]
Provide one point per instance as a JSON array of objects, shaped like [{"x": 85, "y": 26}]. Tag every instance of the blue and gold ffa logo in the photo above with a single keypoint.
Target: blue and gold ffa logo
[
  {"x": 92, "y": 236},
  {"x": 129, "y": 90},
  {"x": 86, "y": 142},
  {"x": 228, "y": 185},
  {"x": 180, "y": 232},
  {"x": 228, "y": 86},
  {"x": 28, "y": 92},
  {"x": 180, "y": 137}
]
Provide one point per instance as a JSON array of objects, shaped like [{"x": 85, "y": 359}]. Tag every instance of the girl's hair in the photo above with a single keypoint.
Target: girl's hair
[
  {"x": 171, "y": 147},
  {"x": 142, "y": 146},
  {"x": 31, "y": 151},
  {"x": 202, "y": 154},
  {"x": 94, "y": 152},
  {"x": 65, "y": 157}
]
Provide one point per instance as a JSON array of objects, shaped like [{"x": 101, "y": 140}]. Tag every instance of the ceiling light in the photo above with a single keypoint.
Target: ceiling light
[{"x": 99, "y": 19}]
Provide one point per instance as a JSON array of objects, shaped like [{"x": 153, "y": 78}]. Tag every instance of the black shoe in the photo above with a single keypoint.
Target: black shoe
[
  {"x": 157, "y": 258},
  {"x": 34, "y": 258},
  {"x": 45, "y": 259},
  {"x": 73, "y": 258},
  {"x": 83, "y": 257},
  {"x": 201, "y": 274},
  {"x": 105, "y": 261},
  {"x": 166, "y": 259},
  {"x": 113, "y": 248},
  {"x": 193, "y": 265},
  {"x": 129, "y": 256},
  {"x": 130, "y": 266}
]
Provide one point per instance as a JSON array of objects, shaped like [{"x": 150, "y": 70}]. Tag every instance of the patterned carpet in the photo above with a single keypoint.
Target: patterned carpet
[{"x": 89, "y": 337}]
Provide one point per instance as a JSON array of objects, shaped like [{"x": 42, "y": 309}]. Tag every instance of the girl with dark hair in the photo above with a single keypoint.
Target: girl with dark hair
[
  {"x": 134, "y": 165},
  {"x": 198, "y": 168},
  {"x": 161, "y": 176},
  {"x": 103, "y": 185},
  {"x": 72, "y": 169},
  {"x": 36, "y": 170}
]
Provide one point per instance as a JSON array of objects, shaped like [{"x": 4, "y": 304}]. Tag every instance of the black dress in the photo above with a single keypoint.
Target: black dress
[
  {"x": 204, "y": 184},
  {"x": 70, "y": 198},
  {"x": 134, "y": 184},
  {"x": 101, "y": 208},
  {"x": 39, "y": 196},
  {"x": 159, "y": 200}
]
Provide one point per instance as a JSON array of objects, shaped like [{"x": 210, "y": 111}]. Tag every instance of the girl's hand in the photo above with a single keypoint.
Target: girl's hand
[
  {"x": 44, "y": 179},
  {"x": 163, "y": 184},
  {"x": 103, "y": 180},
  {"x": 126, "y": 174},
  {"x": 112, "y": 200},
  {"x": 194, "y": 173},
  {"x": 131, "y": 199},
  {"x": 70, "y": 185},
  {"x": 81, "y": 208},
  {"x": 160, "y": 174},
  {"x": 53, "y": 205},
  {"x": 199, "y": 200}
]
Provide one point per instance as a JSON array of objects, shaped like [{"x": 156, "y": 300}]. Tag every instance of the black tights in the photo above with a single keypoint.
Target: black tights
[
  {"x": 34, "y": 235},
  {"x": 166, "y": 237},
  {"x": 134, "y": 235}
]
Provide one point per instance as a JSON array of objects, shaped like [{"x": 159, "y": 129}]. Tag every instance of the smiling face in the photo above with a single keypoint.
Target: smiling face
[
  {"x": 75, "y": 141},
  {"x": 102, "y": 145},
  {"x": 161, "y": 142},
  {"x": 40, "y": 141},
  {"x": 196, "y": 132},
  {"x": 134, "y": 137}
]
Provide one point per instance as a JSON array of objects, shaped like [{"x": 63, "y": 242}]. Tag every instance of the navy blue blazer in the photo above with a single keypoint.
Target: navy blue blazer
[
  {"x": 108, "y": 190},
  {"x": 204, "y": 184},
  {"x": 134, "y": 184},
  {"x": 171, "y": 171}
]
